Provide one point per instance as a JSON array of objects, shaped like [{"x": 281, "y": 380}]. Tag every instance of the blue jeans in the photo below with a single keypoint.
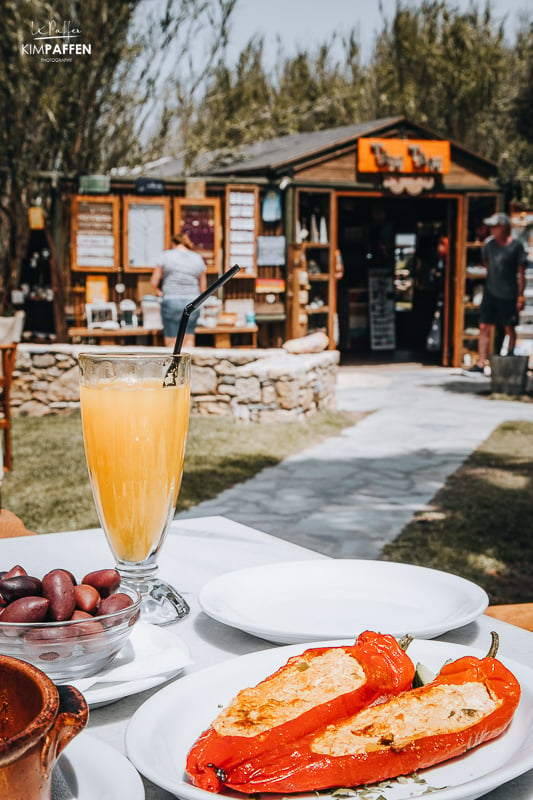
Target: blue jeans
[{"x": 172, "y": 312}]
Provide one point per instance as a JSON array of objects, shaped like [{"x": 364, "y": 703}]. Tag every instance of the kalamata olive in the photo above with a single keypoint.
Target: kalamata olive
[
  {"x": 79, "y": 614},
  {"x": 116, "y": 602},
  {"x": 26, "y": 609},
  {"x": 15, "y": 571},
  {"x": 90, "y": 628},
  {"x": 106, "y": 581},
  {"x": 20, "y": 586},
  {"x": 51, "y": 642},
  {"x": 59, "y": 590},
  {"x": 71, "y": 576},
  {"x": 87, "y": 597}
]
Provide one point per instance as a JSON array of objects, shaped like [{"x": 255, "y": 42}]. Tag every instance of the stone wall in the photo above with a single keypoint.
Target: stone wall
[{"x": 248, "y": 385}]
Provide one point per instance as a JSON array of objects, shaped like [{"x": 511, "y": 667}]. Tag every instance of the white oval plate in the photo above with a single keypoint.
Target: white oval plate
[
  {"x": 302, "y": 601},
  {"x": 93, "y": 770},
  {"x": 162, "y": 731}
]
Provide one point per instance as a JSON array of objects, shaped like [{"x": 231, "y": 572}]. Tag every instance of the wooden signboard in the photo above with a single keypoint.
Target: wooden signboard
[
  {"x": 146, "y": 232},
  {"x": 412, "y": 156},
  {"x": 94, "y": 234}
]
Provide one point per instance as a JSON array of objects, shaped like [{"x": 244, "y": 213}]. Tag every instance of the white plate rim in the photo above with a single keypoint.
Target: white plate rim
[
  {"x": 217, "y": 588},
  {"x": 87, "y": 756},
  {"x": 97, "y": 696},
  {"x": 102, "y": 694},
  {"x": 148, "y": 718}
]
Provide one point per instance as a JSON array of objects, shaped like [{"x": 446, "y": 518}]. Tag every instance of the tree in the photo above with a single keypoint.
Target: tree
[
  {"x": 444, "y": 68},
  {"x": 304, "y": 92},
  {"x": 73, "y": 111},
  {"x": 453, "y": 70}
]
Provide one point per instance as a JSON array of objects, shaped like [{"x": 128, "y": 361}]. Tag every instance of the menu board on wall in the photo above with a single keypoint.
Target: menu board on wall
[
  {"x": 95, "y": 225},
  {"x": 147, "y": 226},
  {"x": 200, "y": 220},
  {"x": 241, "y": 215},
  {"x": 382, "y": 310}
]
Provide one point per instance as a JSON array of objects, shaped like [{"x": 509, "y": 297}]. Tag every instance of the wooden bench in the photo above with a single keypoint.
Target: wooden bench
[
  {"x": 117, "y": 335},
  {"x": 222, "y": 334}
]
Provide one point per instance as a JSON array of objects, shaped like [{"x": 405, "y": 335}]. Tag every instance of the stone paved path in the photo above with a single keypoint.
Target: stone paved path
[{"x": 353, "y": 493}]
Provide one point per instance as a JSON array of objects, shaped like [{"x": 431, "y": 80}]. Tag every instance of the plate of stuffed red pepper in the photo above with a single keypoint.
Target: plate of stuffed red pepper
[
  {"x": 318, "y": 599},
  {"x": 364, "y": 719}
]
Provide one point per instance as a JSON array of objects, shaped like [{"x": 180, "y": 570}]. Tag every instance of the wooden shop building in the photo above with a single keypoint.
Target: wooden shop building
[{"x": 370, "y": 232}]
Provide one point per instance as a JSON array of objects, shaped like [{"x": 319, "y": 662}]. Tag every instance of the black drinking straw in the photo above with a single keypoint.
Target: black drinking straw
[{"x": 197, "y": 302}]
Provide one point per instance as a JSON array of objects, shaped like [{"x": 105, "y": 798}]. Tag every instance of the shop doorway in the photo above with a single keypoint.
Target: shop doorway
[{"x": 390, "y": 302}]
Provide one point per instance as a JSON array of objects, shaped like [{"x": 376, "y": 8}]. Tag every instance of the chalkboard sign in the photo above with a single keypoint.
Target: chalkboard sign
[
  {"x": 146, "y": 232},
  {"x": 382, "y": 310},
  {"x": 95, "y": 233}
]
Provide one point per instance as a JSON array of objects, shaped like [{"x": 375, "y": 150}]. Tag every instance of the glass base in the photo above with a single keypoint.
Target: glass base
[{"x": 161, "y": 604}]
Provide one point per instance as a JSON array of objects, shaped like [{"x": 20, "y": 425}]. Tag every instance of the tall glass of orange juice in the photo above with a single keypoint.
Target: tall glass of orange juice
[{"x": 135, "y": 415}]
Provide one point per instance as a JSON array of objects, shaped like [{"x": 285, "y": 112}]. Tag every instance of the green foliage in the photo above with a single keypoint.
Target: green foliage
[
  {"x": 97, "y": 111},
  {"x": 449, "y": 69}
]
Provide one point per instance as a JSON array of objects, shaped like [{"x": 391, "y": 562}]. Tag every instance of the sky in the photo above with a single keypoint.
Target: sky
[{"x": 310, "y": 22}]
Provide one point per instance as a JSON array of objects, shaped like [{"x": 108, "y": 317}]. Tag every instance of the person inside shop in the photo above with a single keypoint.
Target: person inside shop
[
  {"x": 179, "y": 278},
  {"x": 503, "y": 296}
]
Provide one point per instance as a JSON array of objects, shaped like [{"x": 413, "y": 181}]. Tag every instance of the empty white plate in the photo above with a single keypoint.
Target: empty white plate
[{"x": 302, "y": 601}]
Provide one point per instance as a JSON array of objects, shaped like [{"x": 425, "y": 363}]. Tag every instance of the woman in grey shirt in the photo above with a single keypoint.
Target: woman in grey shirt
[{"x": 178, "y": 279}]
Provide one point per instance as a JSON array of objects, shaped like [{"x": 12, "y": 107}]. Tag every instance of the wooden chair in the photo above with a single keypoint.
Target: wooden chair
[
  {"x": 519, "y": 614},
  {"x": 10, "y": 335},
  {"x": 8, "y": 355},
  {"x": 11, "y": 525}
]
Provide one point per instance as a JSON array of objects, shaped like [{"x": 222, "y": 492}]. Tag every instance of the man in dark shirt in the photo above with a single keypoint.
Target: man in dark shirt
[{"x": 503, "y": 295}]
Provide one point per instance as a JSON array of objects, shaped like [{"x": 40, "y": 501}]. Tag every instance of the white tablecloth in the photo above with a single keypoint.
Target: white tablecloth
[{"x": 194, "y": 552}]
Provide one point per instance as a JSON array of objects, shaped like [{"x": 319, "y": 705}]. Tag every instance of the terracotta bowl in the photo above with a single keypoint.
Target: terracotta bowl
[{"x": 37, "y": 721}]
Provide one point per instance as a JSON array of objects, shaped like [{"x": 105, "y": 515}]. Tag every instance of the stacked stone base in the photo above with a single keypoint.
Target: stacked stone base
[{"x": 246, "y": 385}]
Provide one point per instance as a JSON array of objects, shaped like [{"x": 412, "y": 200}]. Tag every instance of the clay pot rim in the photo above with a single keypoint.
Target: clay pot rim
[{"x": 44, "y": 720}]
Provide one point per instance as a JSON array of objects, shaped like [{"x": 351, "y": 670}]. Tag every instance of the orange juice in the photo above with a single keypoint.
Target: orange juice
[{"x": 135, "y": 435}]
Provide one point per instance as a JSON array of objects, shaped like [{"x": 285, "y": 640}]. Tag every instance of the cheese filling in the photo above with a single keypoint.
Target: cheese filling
[
  {"x": 413, "y": 715},
  {"x": 300, "y": 686}
]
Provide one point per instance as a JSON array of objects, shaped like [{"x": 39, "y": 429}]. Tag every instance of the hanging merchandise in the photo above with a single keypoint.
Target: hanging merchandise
[
  {"x": 434, "y": 337},
  {"x": 323, "y": 231},
  {"x": 271, "y": 208},
  {"x": 36, "y": 218},
  {"x": 314, "y": 229},
  {"x": 339, "y": 265}
]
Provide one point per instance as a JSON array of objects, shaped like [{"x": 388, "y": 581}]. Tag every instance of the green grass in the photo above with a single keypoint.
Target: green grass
[
  {"x": 49, "y": 486},
  {"x": 480, "y": 524}
]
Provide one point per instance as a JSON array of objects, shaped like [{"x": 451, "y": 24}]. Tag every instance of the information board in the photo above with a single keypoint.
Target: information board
[
  {"x": 95, "y": 224},
  {"x": 270, "y": 251},
  {"x": 241, "y": 226},
  {"x": 382, "y": 310},
  {"x": 147, "y": 225}
]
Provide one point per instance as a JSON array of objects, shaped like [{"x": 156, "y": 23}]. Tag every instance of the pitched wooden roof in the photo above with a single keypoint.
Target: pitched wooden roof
[{"x": 285, "y": 153}]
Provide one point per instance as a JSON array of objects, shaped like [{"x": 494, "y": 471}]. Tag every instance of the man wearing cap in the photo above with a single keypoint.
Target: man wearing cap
[{"x": 503, "y": 295}]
